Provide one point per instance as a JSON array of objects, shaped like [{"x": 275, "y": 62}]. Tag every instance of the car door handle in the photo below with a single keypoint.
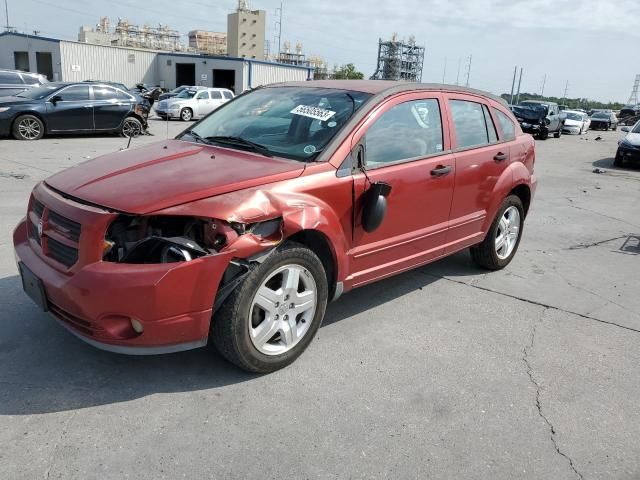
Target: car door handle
[
  {"x": 441, "y": 171},
  {"x": 500, "y": 156}
]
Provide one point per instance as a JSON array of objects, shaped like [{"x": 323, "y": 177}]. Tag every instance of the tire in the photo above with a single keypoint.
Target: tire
[
  {"x": 558, "y": 134},
  {"x": 28, "y": 127},
  {"x": 543, "y": 135},
  {"x": 486, "y": 254},
  {"x": 186, "y": 114},
  {"x": 131, "y": 127},
  {"x": 235, "y": 329},
  {"x": 615, "y": 127},
  {"x": 617, "y": 161}
]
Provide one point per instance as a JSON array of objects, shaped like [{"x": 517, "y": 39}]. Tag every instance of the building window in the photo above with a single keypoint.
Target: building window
[{"x": 21, "y": 61}]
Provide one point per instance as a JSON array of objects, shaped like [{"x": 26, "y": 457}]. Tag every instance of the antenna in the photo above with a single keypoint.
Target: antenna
[
  {"x": 544, "y": 81},
  {"x": 513, "y": 83},
  {"x": 7, "y": 27},
  {"x": 444, "y": 71},
  {"x": 519, "y": 83},
  {"x": 566, "y": 89}
]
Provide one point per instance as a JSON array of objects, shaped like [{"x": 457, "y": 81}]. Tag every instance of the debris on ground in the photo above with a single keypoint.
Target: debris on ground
[
  {"x": 598, "y": 138},
  {"x": 17, "y": 176},
  {"x": 599, "y": 170}
]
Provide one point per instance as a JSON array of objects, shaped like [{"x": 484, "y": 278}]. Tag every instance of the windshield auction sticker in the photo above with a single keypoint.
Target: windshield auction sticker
[{"x": 313, "y": 112}]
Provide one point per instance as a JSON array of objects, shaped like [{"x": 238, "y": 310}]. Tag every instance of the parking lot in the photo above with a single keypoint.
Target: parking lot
[{"x": 443, "y": 372}]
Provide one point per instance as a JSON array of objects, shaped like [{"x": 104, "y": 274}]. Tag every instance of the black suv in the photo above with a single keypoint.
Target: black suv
[
  {"x": 539, "y": 118},
  {"x": 13, "y": 82}
]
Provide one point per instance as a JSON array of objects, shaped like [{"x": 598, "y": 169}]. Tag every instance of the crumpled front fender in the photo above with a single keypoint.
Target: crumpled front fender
[{"x": 299, "y": 212}]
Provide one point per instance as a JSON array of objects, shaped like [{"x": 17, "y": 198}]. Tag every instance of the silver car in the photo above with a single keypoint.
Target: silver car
[
  {"x": 193, "y": 103},
  {"x": 13, "y": 82}
]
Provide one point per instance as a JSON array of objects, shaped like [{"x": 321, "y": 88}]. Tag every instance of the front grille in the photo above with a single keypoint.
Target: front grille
[
  {"x": 68, "y": 228},
  {"x": 61, "y": 252},
  {"x": 45, "y": 224}
]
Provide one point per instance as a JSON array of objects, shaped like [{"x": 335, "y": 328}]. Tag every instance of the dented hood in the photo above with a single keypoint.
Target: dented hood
[{"x": 169, "y": 173}]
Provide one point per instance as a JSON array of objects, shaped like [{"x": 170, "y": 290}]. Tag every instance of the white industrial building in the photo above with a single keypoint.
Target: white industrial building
[{"x": 68, "y": 61}]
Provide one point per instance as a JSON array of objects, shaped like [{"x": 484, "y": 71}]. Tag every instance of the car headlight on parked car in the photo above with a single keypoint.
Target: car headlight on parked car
[{"x": 4, "y": 109}]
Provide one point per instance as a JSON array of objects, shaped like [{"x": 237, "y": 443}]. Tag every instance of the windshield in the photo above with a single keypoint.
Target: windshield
[
  {"x": 291, "y": 122},
  {"x": 187, "y": 94},
  {"x": 536, "y": 106},
  {"x": 179, "y": 89},
  {"x": 601, "y": 115},
  {"x": 40, "y": 92},
  {"x": 574, "y": 116},
  {"x": 636, "y": 129}
]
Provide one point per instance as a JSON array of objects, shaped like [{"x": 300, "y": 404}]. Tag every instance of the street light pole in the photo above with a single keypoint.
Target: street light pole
[{"x": 6, "y": 11}]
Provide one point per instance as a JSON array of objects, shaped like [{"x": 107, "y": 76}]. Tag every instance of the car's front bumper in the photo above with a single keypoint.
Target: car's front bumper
[
  {"x": 171, "y": 112},
  {"x": 572, "y": 128},
  {"x": 97, "y": 300},
  {"x": 628, "y": 155},
  {"x": 532, "y": 128}
]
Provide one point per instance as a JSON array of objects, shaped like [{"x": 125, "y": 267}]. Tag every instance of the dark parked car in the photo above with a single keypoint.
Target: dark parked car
[
  {"x": 13, "y": 82},
  {"x": 604, "y": 121},
  {"x": 539, "y": 118},
  {"x": 173, "y": 93},
  {"x": 629, "y": 147},
  {"x": 240, "y": 230},
  {"x": 72, "y": 108}
]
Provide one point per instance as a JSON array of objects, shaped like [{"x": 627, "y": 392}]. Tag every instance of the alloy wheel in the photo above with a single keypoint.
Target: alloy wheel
[
  {"x": 131, "y": 128},
  {"x": 282, "y": 310},
  {"x": 507, "y": 232},
  {"x": 29, "y": 129}
]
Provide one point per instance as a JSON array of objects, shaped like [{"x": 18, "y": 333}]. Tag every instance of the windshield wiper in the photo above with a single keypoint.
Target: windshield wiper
[
  {"x": 239, "y": 141},
  {"x": 197, "y": 137}
]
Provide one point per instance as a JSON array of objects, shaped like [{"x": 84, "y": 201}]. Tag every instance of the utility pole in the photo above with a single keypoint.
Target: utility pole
[
  {"x": 458, "y": 75},
  {"x": 444, "y": 71},
  {"x": 519, "y": 83},
  {"x": 6, "y": 11},
  {"x": 469, "y": 70},
  {"x": 513, "y": 83},
  {"x": 544, "y": 81}
]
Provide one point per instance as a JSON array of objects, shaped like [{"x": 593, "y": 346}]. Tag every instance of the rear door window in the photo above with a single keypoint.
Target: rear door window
[
  {"x": 216, "y": 95},
  {"x": 506, "y": 125},
  {"x": 202, "y": 96},
  {"x": 469, "y": 123},
  {"x": 227, "y": 95}
]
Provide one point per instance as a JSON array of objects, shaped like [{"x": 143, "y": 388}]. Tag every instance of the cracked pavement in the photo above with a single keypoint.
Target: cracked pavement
[{"x": 443, "y": 372}]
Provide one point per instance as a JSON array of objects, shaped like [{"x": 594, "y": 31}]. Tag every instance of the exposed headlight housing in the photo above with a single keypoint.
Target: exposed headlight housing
[{"x": 4, "y": 109}]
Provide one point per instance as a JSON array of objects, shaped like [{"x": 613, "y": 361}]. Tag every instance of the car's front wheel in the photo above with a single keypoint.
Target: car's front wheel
[
  {"x": 28, "y": 127},
  {"x": 186, "y": 114},
  {"x": 502, "y": 240},
  {"x": 271, "y": 318}
]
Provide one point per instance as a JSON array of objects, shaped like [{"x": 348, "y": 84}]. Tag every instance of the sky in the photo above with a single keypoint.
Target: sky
[{"x": 589, "y": 47}]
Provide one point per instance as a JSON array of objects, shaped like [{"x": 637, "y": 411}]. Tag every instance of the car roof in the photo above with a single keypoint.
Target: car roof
[
  {"x": 541, "y": 102},
  {"x": 387, "y": 87}
]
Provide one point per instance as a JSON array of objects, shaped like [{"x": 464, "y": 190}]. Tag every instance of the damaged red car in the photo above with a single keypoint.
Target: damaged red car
[{"x": 240, "y": 230}]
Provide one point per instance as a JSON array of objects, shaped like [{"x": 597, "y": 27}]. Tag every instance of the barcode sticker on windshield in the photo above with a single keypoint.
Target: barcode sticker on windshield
[{"x": 313, "y": 112}]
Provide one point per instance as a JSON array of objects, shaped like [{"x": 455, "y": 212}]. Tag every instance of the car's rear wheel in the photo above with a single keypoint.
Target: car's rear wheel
[
  {"x": 503, "y": 238},
  {"x": 271, "y": 318},
  {"x": 28, "y": 127},
  {"x": 558, "y": 134},
  {"x": 131, "y": 127},
  {"x": 543, "y": 135},
  {"x": 186, "y": 114}
]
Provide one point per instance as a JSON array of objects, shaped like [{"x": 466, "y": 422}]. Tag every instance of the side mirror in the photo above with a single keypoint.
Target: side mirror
[
  {"x": 374, "y": 206},
  {"x": 625, "y": 129},
  {"x": 55, "y": 99}
]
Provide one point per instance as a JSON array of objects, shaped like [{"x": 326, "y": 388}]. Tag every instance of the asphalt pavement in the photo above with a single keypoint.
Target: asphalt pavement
[{"x": 443, "y": 372}]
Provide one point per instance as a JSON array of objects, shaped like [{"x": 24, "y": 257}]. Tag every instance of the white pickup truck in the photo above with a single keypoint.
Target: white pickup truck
[{"x": 193, "y": 103}]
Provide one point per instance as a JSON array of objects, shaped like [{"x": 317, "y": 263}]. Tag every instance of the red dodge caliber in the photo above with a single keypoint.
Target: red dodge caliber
[{"x": 241, "y": 229}]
